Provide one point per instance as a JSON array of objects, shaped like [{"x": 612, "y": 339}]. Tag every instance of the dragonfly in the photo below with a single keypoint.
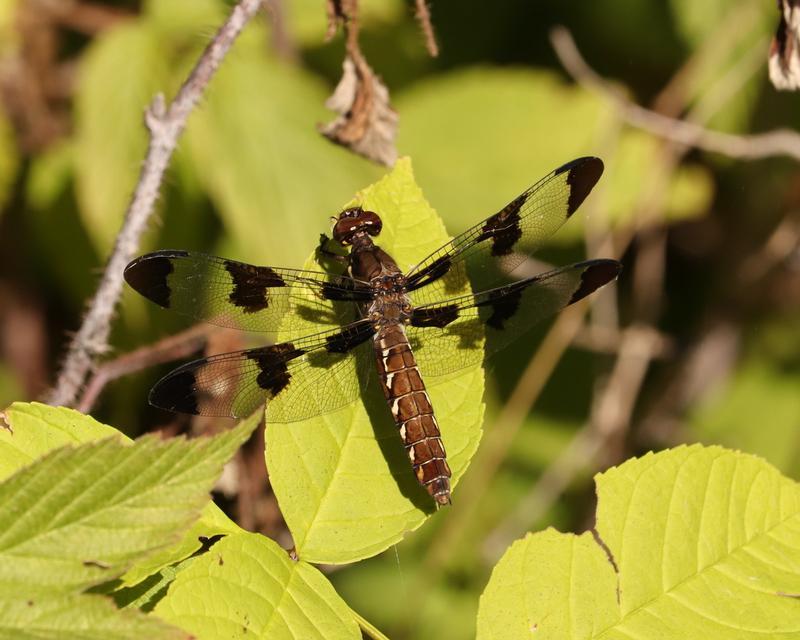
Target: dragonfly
[{"x": 408, "y": 327}]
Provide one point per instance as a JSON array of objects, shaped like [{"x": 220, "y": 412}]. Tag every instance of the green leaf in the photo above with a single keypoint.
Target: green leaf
[
  {"x": 522, "y": 124},
  {"x": 343, "y": 480},
  {"x": 35, "y": 429},
  {"x": 81, "y": 515},
  {"x": 247, "y": 586},
  {"x": 78, "y": 617},
  {"x": 696, "y": 543},
  {"x": 121, "y": 71},
  {"x": 267, "y": 169},
  {"x": 212, "y": 522}
]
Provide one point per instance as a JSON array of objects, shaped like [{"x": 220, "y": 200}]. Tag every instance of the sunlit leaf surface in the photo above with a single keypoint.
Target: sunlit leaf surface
[
  {"x": 343, "y": 480},
  {"x": 80, "y": 617},
  {"x": 247, "y": 586},
  {"x": 82, "y": 514},
  {"x": 697, "y": 543}
]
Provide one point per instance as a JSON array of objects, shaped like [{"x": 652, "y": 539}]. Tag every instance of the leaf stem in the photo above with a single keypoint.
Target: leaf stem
[{"x": 367, "y": 627}]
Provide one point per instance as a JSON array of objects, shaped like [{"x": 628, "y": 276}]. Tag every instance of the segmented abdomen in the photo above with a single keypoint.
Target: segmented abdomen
[{"x": 411, "y": 407}]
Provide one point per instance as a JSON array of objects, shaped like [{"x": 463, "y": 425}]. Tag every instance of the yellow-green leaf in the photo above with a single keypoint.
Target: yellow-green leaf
[
  {"x": 81, "y": 515},
  {"x": 343, "y": 480},
  {"x": 78, "y": 617},
  {"x": 696, "y": 543},
  {"x": 247, "y": 586}
]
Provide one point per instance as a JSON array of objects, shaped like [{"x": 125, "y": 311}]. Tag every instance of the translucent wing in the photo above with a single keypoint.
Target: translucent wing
[
  {"x": 496, "y": 246},
  {"x": 447, "y": 336},
  {"x": 296, "y": 379},
  {"x": 243, "y": 296}
]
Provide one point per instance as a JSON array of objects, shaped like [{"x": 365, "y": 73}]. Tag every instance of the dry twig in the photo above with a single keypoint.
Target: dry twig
[
  {"x": 367, "y": 123},
  {"x": 165, "y": 124},
  {"x": 780, "y": 142},
  {"x": 180, "y": 345},
  {"x": 424, "y": 19}
]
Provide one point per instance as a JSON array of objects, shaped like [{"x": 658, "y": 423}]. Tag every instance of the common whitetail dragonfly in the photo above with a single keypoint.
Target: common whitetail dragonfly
[{"x": 384, "y": 319}]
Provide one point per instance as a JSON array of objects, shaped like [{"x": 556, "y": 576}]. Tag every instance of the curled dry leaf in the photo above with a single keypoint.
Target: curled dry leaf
[
  {"x": 784, "y": 59},
  {"x": 367, "y": 123}
]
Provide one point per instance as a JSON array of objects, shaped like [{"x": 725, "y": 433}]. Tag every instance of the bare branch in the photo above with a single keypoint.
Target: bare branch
[
  {"x": 424, "y": 19},
  {"x": 181, "y": 345},
  {"x": 762, "y": 145},
  {"x": 165, "y": 125}
]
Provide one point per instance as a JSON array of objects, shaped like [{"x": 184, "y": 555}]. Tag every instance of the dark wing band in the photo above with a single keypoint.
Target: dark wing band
[
  {"x": 447, "y": 336},
  {"x": 501, "y": 242},
  {"x": 297, "y": 379},
  {"x": 243, "y": 296}
]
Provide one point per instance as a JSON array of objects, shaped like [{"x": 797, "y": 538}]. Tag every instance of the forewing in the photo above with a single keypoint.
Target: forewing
[
  {"x": 446, "y": 336},
  {"x": 243, "y": 296},
  {"x": 297, "y": 379},
  {"x": 495, "y": 247}
]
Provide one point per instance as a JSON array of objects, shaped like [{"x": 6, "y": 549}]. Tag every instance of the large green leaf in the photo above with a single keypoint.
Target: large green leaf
[
  {"x": 36, "y": 429},
  {"x": 513, "y": 127},
  {"x": 82, "y": 514},
  {"x": 247, "y": 586},
  {"x": 77, "y": 617},
  {"x": 266, "y": 168},
  {"x": 692, "y": 543},
  {"x": 120, "y": 73},
  {"x": 342, "y": 479}
]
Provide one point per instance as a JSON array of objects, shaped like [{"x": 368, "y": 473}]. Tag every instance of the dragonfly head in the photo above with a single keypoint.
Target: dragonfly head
[{"x": 353, "y": 222}]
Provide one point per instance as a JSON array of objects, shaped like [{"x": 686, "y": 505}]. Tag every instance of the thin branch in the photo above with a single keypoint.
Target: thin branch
[
  {"x": 424, "y": 19},
  {"x": 761, "y": 145},
  {"x": 180, "y": 345},
  {"x": 165, "y": 125}
]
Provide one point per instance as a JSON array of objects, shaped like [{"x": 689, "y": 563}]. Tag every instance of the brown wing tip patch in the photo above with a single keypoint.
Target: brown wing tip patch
[
  {"x": 148, "y": 274},
  {"x": 583, "y": 174},
  {"x": 596, "y": 274}
]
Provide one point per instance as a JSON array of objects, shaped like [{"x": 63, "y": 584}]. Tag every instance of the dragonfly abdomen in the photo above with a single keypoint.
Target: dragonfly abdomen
[{"x": 412, "y": 410}]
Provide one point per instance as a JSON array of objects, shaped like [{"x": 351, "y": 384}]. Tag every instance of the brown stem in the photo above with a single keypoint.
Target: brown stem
[
  {"x": 779, "y": 142},
  {"x": 424, "y": 19},
  {"x": 181, "y": 345}
]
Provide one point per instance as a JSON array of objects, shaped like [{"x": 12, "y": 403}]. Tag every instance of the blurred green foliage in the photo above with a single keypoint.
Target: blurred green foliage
[{"x": 253, "y": 180}]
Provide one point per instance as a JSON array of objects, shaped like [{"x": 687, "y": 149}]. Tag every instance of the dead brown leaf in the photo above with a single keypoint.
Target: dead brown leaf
[
  {"x": 784, "y": 52},
  {"x": 367, "y": 123}
]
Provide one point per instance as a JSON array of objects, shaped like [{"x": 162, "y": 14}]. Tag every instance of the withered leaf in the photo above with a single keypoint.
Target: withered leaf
[{"x": 367, "y": 123}]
